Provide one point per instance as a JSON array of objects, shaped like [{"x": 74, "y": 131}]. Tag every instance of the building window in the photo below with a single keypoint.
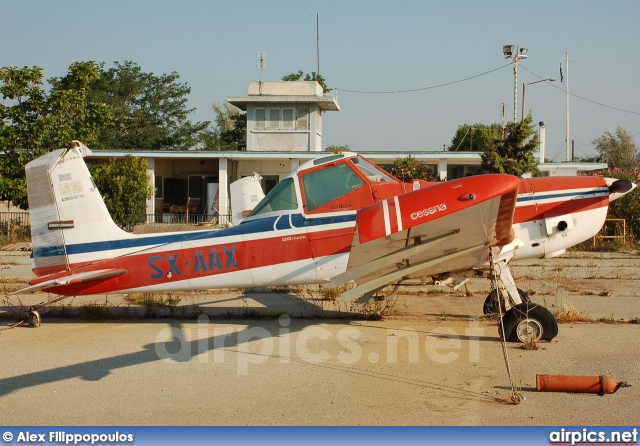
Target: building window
[
  {"x": 288, "y": 118},
  {"x": 259, "y": 123},
  {"x": 302, "y": 119},
  {"x": 274, "y": 119}
]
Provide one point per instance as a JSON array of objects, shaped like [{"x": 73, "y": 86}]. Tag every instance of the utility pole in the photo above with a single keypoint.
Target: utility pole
[
  {"x": 569, "y": 157},
  {"x": 568, "y": 136},
  {"x": 508, "y": 52}
]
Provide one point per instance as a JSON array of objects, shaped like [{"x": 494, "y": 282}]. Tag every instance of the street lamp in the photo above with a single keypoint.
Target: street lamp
[
  {"x": 508, "y": 52},
  {"x": 524, "y": 91}
]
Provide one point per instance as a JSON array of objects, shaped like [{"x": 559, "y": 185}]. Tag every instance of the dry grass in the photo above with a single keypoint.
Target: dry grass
[
  {"x": 567, "y": 315},
  {"x": 531, "y": 344},
  {"x": 332, "y": 293}
]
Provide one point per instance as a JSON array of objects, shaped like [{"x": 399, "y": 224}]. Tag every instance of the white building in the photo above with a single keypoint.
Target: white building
[{"x": 284, "y": 116}]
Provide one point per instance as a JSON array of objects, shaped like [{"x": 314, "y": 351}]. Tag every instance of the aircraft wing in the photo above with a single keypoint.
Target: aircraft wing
[
  {"x": 87, "y": 276},
  {"x": 445, "y": 227}
]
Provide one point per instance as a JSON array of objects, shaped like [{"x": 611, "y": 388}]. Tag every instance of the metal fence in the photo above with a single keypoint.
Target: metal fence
[
  {"x": 613, "y": 228},
  {"x": 14, "y": 227},
  {"x": 14, "y": 219}
]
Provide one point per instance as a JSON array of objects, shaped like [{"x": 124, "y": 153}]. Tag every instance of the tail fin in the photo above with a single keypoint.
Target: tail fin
[{"x": 69, "y": 220}]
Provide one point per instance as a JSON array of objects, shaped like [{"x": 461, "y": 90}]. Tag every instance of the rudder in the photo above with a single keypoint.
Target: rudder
[{"x": 67, "y": 213}]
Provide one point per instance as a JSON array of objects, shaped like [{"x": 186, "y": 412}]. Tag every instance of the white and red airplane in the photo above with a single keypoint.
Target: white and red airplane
[{"x": 333, "y": 220}]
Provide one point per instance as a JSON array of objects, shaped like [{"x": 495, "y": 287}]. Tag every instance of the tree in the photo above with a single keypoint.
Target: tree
[
  {"x": 33, "y": 121},
  {"x": 514, "y": 153},
  {"x": 149, "y": 111},
  {"x": 475, "y": 138},
  {"x": 337, "y": 149},
  {"x": 313, "y": 76},
  {"x": 617, "y": 150},
  {"x": 409, "y": 168},
  {"x": 229, "y": 132},
  {"x": 124, "y": 186}
]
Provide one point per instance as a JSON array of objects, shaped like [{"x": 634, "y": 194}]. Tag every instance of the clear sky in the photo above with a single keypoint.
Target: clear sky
[{"x": 371, "y": 46}]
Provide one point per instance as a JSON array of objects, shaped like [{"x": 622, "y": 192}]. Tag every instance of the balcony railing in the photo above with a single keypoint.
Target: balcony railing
[{"x": 184, "y": 219}]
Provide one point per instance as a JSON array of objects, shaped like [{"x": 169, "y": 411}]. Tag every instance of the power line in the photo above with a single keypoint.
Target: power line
[
  {"x": 583, "y": 98},
  {"x": 424, "y": 88}
]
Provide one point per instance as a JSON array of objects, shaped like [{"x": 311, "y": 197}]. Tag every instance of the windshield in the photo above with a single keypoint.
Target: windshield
[
  {"x": 325, "y": 185},
  {"x": 281, "y": 198},
  {"x": 371, "y": 171}
]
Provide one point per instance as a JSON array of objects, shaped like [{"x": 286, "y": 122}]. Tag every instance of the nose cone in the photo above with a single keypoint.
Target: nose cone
[{"x": 619, "y": 188}]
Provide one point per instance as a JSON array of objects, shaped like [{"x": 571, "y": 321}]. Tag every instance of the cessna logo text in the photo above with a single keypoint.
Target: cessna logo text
[{"x": 428, "y": 211}]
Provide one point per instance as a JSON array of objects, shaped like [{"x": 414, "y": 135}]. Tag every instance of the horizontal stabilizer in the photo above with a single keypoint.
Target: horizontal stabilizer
[{"x": 88, "y": 276}]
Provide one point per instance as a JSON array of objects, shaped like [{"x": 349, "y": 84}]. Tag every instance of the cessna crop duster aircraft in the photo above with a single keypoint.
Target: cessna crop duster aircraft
[{"x": 333, "y": 220}]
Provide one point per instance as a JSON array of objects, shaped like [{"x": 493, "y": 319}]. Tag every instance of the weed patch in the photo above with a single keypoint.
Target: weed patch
[
  {"x": 567, "y": 315},
  {"x": 531, "y": 344}
]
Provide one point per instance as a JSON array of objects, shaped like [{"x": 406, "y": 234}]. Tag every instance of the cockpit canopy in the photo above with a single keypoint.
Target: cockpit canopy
[{"x": 336, "y": 183}]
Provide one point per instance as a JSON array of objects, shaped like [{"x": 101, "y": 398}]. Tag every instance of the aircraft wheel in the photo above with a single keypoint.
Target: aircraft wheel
[
  {"x": 491, "y": 302},
  {"x": 34, "y": 319},
  {"x": 529, "y": 321}
]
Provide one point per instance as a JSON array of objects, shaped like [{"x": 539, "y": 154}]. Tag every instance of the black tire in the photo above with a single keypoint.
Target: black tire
[
  {"x": 34, "y": 319},
  {"x": 529, "y": 320},
  {"x": 491, "y": 302}
]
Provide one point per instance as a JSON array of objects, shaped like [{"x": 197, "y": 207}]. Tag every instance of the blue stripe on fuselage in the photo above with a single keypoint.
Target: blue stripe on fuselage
[
  {"x": 543, "y": 196},
  {"x": 263, "y": 225}
]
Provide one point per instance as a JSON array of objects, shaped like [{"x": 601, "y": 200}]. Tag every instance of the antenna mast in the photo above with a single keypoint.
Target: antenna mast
[
  {"x": 261, "y": 60},
  {"x": 318, "y": 39}
]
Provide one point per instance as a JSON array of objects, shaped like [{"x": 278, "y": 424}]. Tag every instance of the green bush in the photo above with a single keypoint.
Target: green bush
[
  {"x": 124, "y": 186},
  {"x": 627, "y": 207}
]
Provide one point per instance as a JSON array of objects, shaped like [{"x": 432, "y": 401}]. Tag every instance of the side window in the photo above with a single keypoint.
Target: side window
[
  {"x": 302, "y": 119},
  {"x": 281, "y": 198},
  {"x": 274, "y": 119},
  {"x": 288, "y": 122},
  {"x": 325, "y": 185}
]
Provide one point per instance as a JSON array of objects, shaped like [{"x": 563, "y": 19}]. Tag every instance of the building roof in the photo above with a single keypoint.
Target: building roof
[
  {"x": 471, "y": 157},
  {"x": 327, "y": 103}
]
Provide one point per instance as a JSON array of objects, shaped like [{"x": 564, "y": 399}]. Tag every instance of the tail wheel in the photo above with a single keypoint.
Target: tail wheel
[
  {"x": 34, "y": 319},
  {"x": 529, "y": 321},
  {"x": 491, "y": 302}
]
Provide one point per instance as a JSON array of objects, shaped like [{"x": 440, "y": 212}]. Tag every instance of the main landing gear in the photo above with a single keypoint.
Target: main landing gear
[{"x": 523, "y": 320}]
